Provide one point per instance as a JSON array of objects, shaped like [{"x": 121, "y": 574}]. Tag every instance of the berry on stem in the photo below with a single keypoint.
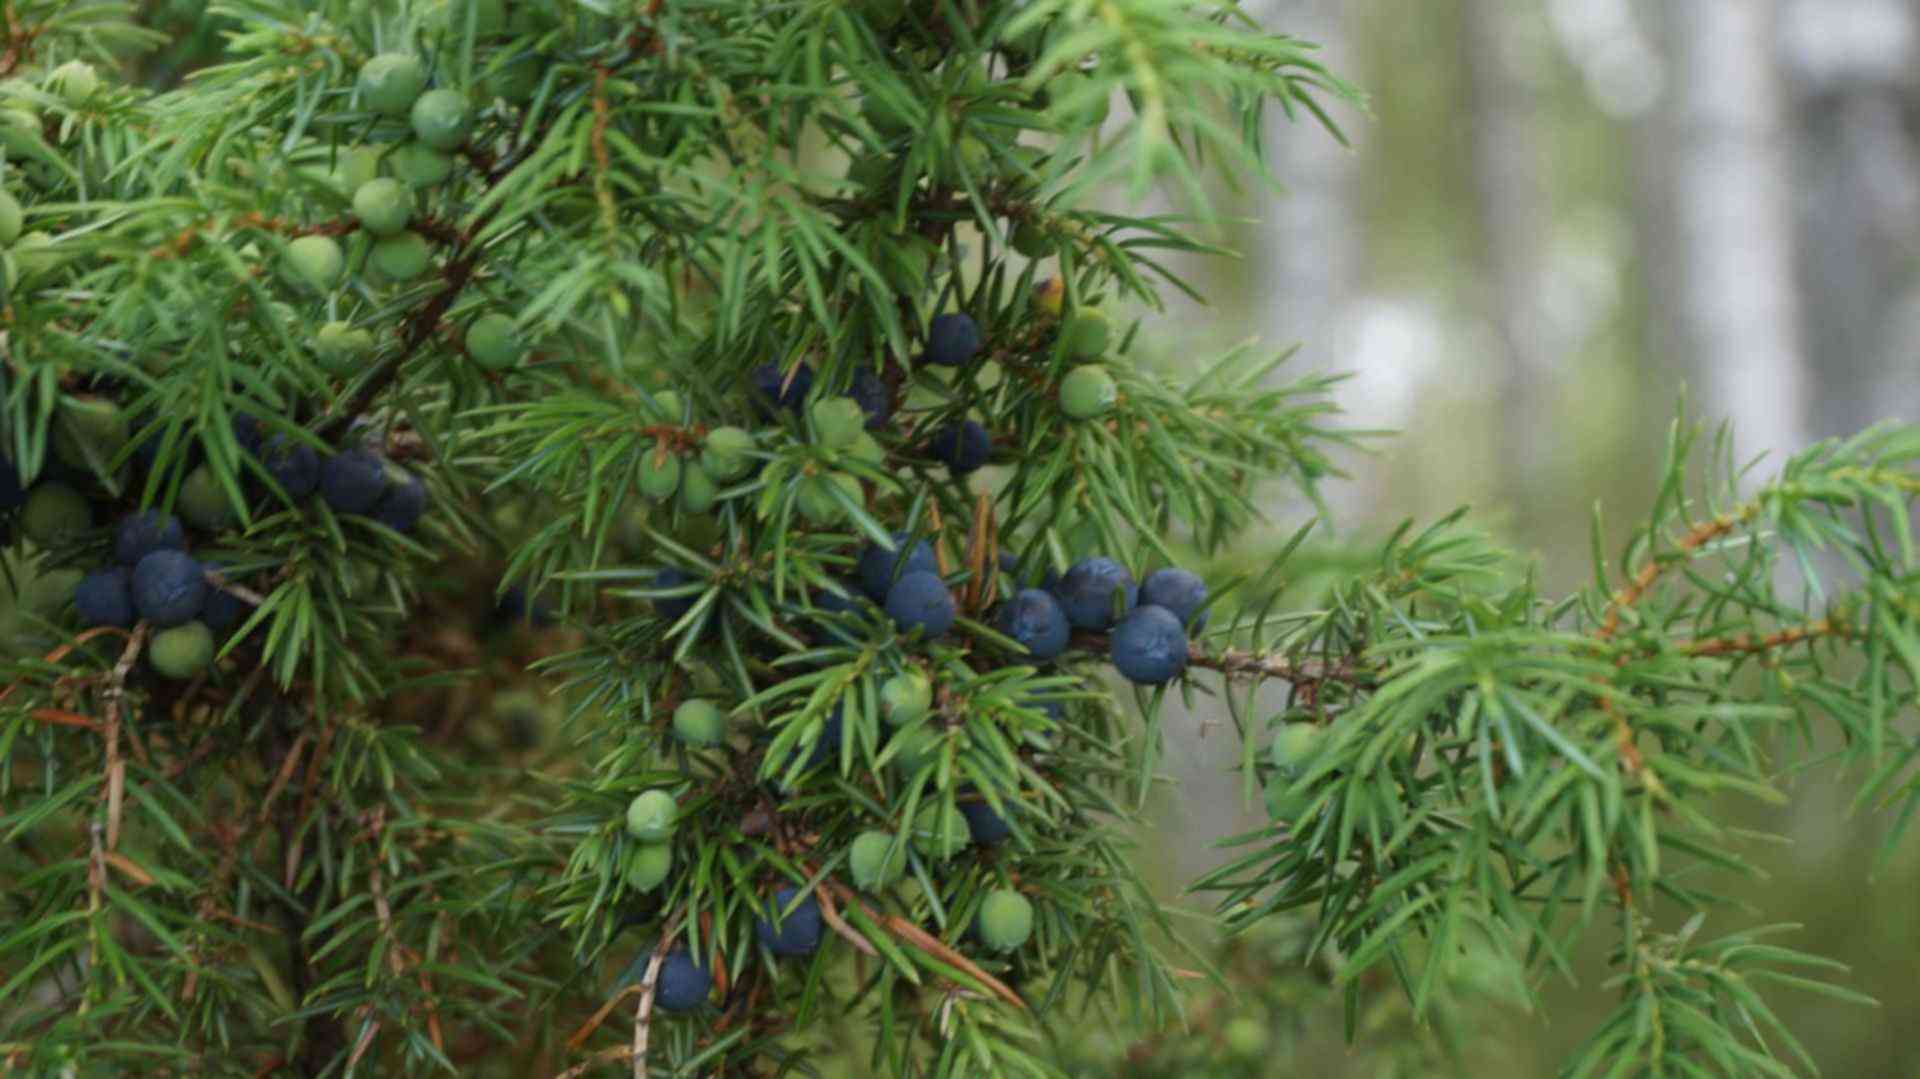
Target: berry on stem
[
  {"x": 1034, "y": 619},
  {"x": 1149, "y": 646},
  {"x": 790, "y": 933},
  {"x": 1178, "y": 591},
  {"x": 921, "y": 600},
  {"x": 651, "y": 816},
  {"x": 952, "y": 340},
  {"x": 1086, "y": 593}
]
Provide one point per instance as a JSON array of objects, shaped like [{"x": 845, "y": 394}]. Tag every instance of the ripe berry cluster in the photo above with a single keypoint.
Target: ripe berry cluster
[{"x": 188, "y": 602}]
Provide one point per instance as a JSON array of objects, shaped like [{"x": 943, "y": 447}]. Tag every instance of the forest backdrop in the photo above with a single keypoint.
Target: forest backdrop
[{"x": 1556, "y": 216}]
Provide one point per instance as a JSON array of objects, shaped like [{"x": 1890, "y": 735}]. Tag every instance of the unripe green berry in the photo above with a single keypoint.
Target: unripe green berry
[
  {"x": 1005, "y": 921},
  {"x": 441, "y": 119},
  {"x": 648, "y": 865},
  {"x": 55, "y": 515},
  {"x": 1294, "y": 746},
  {"x": 870, "y": 863},
  {"x": 339, "y": 345},
  {"x": 905, "y": 697},
  {"x": 358, "y": 166},
  {"x": 1245, "y": 1037},
  {"x": 315, "y": 261},
  {"x": 1088, "y": 392},
  {"x": 1032, "y": 240},
  {"x": 75, "y": 81},
  {"x": 89, "y": 430},
  {"x": 698, "y": 492},
  {"x": 420, "y": 165},
  {"x": 837, "y": 421},
  {"x": 818, "y": 503},
  {"x": 940, "y": 831},
  {"x": 391, "y": 82},
  {"x": 181, "y": 652},
  {"x": 666, "y": 407},
  {"x": 401, "y": 257},
  {"x": 699, "y": 723},
  {"x": 917, "y": 747},
  {"x": 867, "y": 448},
  {"x": 1283, "y": 803},
  {"x": 1085, "y": 333},
  {"x": 203, "y": 502},
  {"x": 659, "y": 474},
  {"x": 383, "y": 206},
  {"x": 651, "y": 816},
  {"x": 494, "y": 342},
  {"x": 12, "y": 219},
  {"x": 725, "y": 455}
]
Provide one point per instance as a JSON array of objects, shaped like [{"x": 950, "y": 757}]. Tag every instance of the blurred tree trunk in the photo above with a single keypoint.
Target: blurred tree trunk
[
  {"x": 1308, "y": 255},
  {"x": 1851, "y": 69},
  {"x": 1503, "y": 51},
  {"x": 1723, "y": 199},
  {"x": 1305, "y": 266}
]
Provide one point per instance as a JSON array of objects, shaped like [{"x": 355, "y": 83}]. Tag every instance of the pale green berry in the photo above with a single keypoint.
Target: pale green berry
[
  {"x": 698, "y": 492},
  {"x": 651, "y": 816},
  {"x": 726, "y": 454},
  {"x": 876, "y": 860},
  {"x": 699, "y": 723},
  {"x": 905, "y": 697},
  {"x": 1085, "y": 333},
  {"x": 648, "y": 865},
  {"x": 660, "y": 473},
  {"x": 383, "y": 206},
  {"x": 315, "y": 261},
  {"x": 391, "y": 82},
  {"x": 420, "y": 165},
  {"x": 55, "y": 515},
  {"x": 868, "y": 449},
  {"x": 940, "y": 831},
  {"x": 401, "y": 257},
  {"x": 181, "y": 652},
  {"x": 494, "y": 342},
  {"x": 203, "y": 502},
  {"x": 340, "y": 344},
  {"x": 76, "y": 81},
  {"x": 90, "y": 430},
  {"x": 441, "y": 119},
  {"x": 1294, "y": 746},
  {"x": 818, "y": 503},
  {"x": 1006, "y": 920},
  {"x": 837, "y": 421},
  {"x": 1088, "y": 392}
]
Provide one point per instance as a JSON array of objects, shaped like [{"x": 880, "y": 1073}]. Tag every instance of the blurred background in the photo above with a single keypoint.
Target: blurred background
[{"x": 1556, "y": 218}]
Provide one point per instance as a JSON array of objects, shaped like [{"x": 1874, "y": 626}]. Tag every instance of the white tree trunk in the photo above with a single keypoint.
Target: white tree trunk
[
  {"x": 1851, "y": 75},
  {"x": 1735, "y": 306},
  {"x": 1503, "y": 49}
]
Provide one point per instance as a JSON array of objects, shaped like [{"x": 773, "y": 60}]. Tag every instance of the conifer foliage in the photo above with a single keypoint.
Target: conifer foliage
[{"x": 778, "y": 355}]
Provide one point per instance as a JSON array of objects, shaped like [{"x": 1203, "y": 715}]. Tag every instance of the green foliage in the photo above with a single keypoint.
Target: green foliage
[{"x": 640, "y": 294}]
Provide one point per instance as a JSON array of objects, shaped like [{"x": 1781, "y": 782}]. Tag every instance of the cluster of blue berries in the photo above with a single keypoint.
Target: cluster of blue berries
[
  {"x": 153, "y": 578},
  {"x": 1148, "y": 642}
]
